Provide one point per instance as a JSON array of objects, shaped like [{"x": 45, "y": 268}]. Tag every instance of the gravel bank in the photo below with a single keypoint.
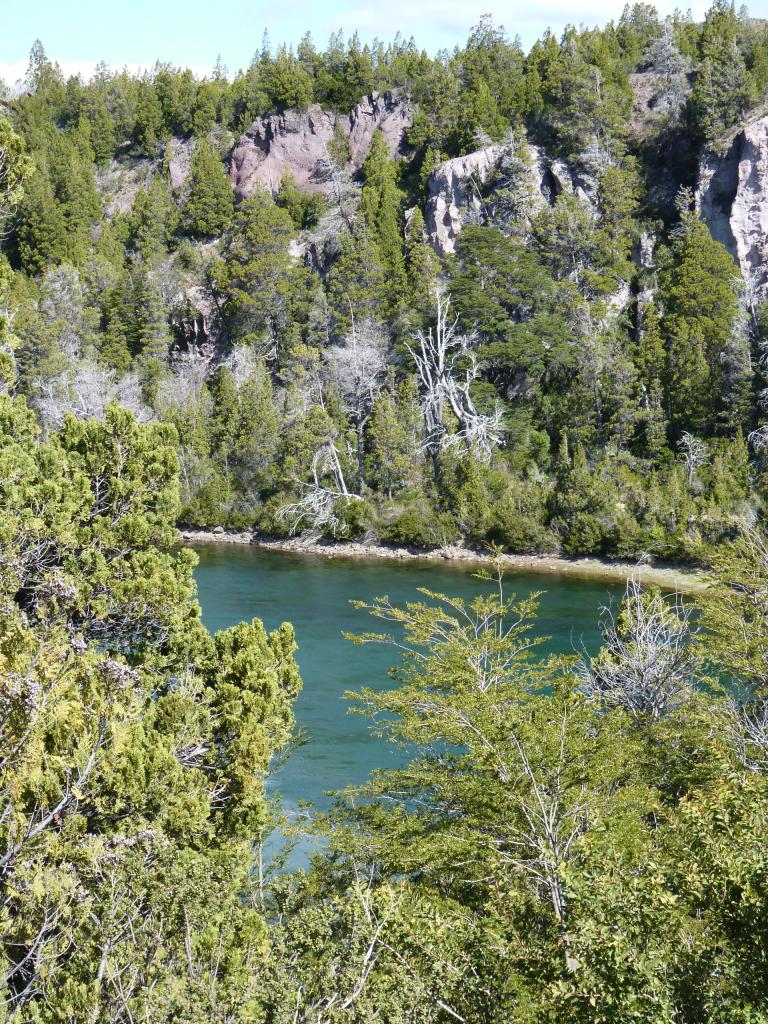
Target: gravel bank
[{"x": 670, "y": 577}]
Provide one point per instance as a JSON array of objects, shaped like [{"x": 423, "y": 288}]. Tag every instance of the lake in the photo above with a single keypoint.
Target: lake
[{"x": 314, "y": 593}]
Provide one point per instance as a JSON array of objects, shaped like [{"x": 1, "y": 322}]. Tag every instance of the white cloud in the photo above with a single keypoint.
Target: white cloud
[
  {"x": 452, "y": 18},
  {"x": 13, "y": 72}
]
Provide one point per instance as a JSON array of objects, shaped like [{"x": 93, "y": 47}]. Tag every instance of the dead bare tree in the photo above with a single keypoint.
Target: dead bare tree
[
  {"x": 321, "y": 506},
  {"x": 359, "y": 369},
  {"x": 344, "y": 196},
  {"x": 85, "y": 391},
  {"x": 693, "y": 454},
  {"x": 647, "y": 665},
  {"x": 748, "y": 732},
  {"x": 447, "y": 367}
]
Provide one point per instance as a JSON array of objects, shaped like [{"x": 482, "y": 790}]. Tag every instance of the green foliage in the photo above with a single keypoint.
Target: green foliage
[
  {"x": 571, "y": 842},
  {"x": 559, "y": 330},
  {"x": 721, "y": 93},
  {"x": 700, "y": 294},
  {"x": 15, "y": 167},
  {"x": 148, "y": 126},
  {"x": 152, "y": 221},
  {"x": 304, "y": 209},
  {"x": 208, "y": 208},
  {"x": 135, "y": 745},
  {"x": 380, "y": 206},
  {"x": 257, "y": 277},
  {"x": 59, "y": 208},
  {"x": 537, "y": 835}
]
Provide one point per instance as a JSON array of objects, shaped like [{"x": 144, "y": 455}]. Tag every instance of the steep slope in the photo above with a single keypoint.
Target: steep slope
[
  {"x": 456, "y": 189},
  {"x": 297, "y": 142},
  {"x": 732, "y": 198}
]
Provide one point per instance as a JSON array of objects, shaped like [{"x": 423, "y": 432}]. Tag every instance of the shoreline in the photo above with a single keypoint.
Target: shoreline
[{"x": 664, "y": 575}]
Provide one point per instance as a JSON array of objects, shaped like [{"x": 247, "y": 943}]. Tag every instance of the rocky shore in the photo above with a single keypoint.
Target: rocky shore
[{"x": 669, "y": 577}]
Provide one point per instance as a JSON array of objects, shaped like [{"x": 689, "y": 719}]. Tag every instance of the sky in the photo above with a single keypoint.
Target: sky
[{"x": 192, "y": 33}]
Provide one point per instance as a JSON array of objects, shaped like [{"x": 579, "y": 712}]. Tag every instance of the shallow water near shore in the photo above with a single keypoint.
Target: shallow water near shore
[{"x": 314, "y": 593}]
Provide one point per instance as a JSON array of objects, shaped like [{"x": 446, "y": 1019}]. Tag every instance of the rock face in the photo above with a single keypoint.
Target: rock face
[
  {"x": 386, "y": 111},
  {"x": 297, "y": 143},
  {"x": 454, "y": 195},
  {"x": 732, "y": 199},
  {"x": 179, "y": 160},
  {"x": 119, "y": 182},
  {"x": 455, "y": 190}
]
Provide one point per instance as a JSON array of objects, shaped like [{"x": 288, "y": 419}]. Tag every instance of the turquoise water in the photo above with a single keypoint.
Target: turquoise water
[{"x": 314, "y": 594}]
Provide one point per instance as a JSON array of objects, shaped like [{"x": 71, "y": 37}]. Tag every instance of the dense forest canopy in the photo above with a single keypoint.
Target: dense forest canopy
[
  {"x": 595, "y": 368},
  {"x": 503, "y": 318}
]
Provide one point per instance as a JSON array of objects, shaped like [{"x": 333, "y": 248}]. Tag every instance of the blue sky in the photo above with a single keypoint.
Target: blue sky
[{"x": 193, "y": 32}]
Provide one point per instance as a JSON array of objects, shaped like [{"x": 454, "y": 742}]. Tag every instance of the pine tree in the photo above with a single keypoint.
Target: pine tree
[
  {"x": 15, "y": 167},
  {"x": 381, "y": 205},
  {"x": 258, "y": 430},
  {"x": 358, "y": 287},
  {"x": 204, "y": 110},
  {"x": 700, "y": 296},
  {"x": 392, "y": 432},
  {"x": 721, "y": 94},
  {"x": 654, "y": 423},
  {"x": 287, "y": 82},
  {"x": 258, "y": 278},
  {"x": 42, "y": 229},
  {"x": 649, "y": 355},
  {"x": 153, "y": 220},
  {"x": 209, "y": 205},
  {"x": 103, "y": 134},
  {"x": 422, "y": 266},
  {"x": 148, "y": 126},
  {"x": 153, "y": 334}
]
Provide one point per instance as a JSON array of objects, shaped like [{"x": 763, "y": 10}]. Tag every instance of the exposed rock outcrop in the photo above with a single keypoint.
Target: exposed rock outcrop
[
  {"x": 179, "y": 157},
  {"x": 454, "y": 195},
  {"x": 297, "y": 142},
  {"x": 120, "y": 181},
  {"x": 732, "y": 199},
  {"x": 456, "y": 190},
  {"x": 389, "y": 113}
]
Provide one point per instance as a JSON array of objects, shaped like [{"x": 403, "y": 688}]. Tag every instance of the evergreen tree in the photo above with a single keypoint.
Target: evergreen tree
[
  {"x": 42, "y": 230},
  {"x": 15, "y": 168},
  {"x": 381, "y": 204},
  {"x": 209, "y": 205},
  {"x": 287, "y": 82},
  {"x": 649, "y": 354},
  {"x": 257, "y": 276},
  {"x": 357, "y": 283},
  {"x": 153, "y": 219},
  {"x": 148, "y": 126},
  {"x": 392, "y": 437},
  {"x": 721, "y": 93},
  {"x": 421, "y": 266},
  {"x": 153, "y": 334},
  {"x": 134, "y": 750},
  {"x": 700, "y": 296}
]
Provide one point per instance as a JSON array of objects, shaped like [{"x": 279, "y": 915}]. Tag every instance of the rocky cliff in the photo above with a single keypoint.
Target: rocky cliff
[
  {"x": 297, "y": 142},
  {"x": 456, "y": 189},
  {"x": 732, "y": 198}
]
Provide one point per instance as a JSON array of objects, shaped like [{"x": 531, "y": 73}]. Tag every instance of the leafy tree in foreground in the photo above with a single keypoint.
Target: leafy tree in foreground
[
  {"x": 134, "y": 745},
  {"x": 563, "y": 846}
]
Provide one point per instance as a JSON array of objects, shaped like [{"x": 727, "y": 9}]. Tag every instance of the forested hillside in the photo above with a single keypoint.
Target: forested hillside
[
  {"x": 485, "y": 307},
  {"x": 503, "y": 297}
]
